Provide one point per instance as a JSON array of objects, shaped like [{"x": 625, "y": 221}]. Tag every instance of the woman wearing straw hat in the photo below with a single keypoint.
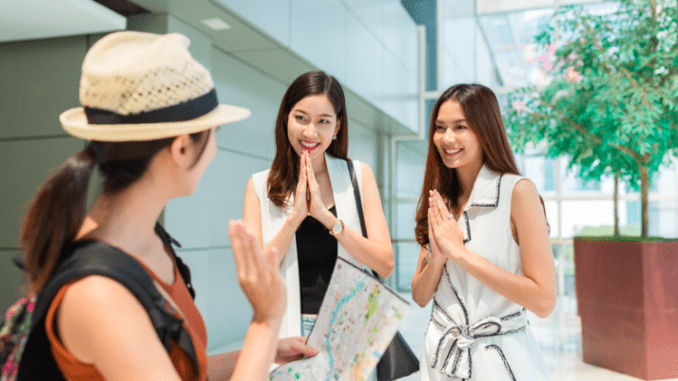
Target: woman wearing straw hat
[{"x": 150, "y": 112}]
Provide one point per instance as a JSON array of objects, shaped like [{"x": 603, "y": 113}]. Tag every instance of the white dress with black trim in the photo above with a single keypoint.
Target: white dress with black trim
[{"x": 474, "y": 332}]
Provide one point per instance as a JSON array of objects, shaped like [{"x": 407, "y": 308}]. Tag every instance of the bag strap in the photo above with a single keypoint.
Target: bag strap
[
  {"x": 184, "y": 270},
  {"x": 169, "y": 241},
  {"x": 98, "y": 258},
  {"x": 356, "y": 193},
  {"x": 359, "y": 204}
]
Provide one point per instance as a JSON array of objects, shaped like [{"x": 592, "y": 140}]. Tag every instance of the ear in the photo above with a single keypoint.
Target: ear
[
  {"x": 336, "y": 129},
  {"x": 181, "y": 151}
]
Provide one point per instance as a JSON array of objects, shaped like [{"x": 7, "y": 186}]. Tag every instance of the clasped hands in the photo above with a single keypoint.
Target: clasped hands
[
  {"x": 445, "y": 236},
  {"x": 308, "y": 199}
]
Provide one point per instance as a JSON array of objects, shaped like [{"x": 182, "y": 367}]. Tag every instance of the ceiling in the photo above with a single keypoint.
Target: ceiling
[{"x": 36, "y": 19}]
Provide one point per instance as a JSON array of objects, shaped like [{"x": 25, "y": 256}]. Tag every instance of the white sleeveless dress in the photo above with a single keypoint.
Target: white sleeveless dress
[
  {"x": 273, "y": 218},
  {"x": 475, "y": 333}
]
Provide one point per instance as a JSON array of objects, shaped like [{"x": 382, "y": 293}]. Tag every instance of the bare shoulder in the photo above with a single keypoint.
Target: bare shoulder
[
  {"x": 365, "y": 168},
  {"x": 98, "y": 295},
  {"x": 366, "y": 172},
  {"x": 524, "y": 191},
  {"x": 249, "y": 188},
  {"x": 526, "y": 204}
]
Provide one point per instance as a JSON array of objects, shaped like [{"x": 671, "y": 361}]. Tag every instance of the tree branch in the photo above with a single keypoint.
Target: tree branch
[{"x": 586, "y": 132}]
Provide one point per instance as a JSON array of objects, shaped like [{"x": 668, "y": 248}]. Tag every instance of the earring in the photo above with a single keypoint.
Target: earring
[{"x": 334, "y": 137}]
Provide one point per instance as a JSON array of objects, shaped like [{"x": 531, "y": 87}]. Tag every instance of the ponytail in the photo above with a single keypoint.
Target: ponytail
[{"x": 55, "y": 217}]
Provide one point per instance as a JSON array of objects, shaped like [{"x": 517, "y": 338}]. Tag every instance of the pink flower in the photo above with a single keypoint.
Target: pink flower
[
  {"x": 519, "y": 106},
  {"x": 572, "y": 76},
  {"x": 547, "y": 65}
]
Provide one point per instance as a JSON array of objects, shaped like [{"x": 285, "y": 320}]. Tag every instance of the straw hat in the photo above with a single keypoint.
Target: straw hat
[{"x": 143, "y": 86}]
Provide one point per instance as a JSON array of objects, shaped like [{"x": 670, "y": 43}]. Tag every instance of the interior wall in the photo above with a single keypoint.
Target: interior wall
[
  {"x": 40, "y": 80},
  {"x": 44, "y": 83},
  {"x": 200, "y": 221}
]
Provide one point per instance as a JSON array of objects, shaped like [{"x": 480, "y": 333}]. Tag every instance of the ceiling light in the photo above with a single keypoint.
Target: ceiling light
[{"x": 215, "y": 23}]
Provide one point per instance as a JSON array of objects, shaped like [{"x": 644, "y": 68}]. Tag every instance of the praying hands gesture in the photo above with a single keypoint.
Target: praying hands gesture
[
  {"x": 308, "y": 199},
  {"x": 445, "y": 236}
]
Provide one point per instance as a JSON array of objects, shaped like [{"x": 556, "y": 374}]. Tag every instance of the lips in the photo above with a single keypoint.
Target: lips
[
  {"x": 453, "y": 151},
  {"x": 308, "y": 146}
]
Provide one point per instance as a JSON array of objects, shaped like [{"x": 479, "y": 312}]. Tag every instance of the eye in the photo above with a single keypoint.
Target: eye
[
  {"x": 324, "y": 121},
  {"x": 300, "y": 118},
  {"x": 461, "y": 126},
  {"x": 440, "y": 128}
]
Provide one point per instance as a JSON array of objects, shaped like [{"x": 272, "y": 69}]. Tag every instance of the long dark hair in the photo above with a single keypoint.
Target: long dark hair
[
  {"x": 58, "y": 210},
  {"x": 284, "y": 174},
  {"x": 483, "y": 116}
]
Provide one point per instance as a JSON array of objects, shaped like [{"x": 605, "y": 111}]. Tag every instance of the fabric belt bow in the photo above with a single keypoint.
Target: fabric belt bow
[{"x": 454, "y": 347}]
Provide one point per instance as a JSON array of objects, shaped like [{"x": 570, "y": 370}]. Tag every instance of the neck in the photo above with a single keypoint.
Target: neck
[
  {"x": 127, "y": 219},
  {"x": 319, "y": 164},
  {"x": 467, "y": 177}
]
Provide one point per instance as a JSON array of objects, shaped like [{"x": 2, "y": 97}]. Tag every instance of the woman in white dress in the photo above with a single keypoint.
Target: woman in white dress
[
  {"x": 304, "y": 205},
  {"x": 486, "y": 255}
]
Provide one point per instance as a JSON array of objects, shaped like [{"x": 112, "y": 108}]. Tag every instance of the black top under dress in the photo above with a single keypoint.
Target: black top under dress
[{"x": 316, "y": 255}]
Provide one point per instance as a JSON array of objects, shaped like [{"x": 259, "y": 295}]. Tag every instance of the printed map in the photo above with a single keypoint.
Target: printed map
[{"x": 357, "y": 320}]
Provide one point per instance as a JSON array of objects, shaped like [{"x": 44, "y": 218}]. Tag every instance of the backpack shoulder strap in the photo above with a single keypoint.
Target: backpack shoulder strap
[
  {"x": 184, "y": 270},
  {"x": 98, "y": 258}
]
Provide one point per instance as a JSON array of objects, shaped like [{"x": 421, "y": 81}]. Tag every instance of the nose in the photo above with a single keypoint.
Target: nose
[
  {"x": 449, "y": 136},
  {"x": 309, "y": 129}
]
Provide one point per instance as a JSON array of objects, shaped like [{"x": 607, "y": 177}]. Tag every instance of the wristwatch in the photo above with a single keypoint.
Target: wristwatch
[{"x": 337, "y": 228}]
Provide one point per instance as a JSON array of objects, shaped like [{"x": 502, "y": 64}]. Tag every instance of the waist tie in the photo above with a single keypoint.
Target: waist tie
[{"x": 454, "y": 346}]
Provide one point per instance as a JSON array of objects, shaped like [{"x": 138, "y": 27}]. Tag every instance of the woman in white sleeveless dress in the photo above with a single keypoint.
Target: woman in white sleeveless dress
[{"x": 486, "y": 255}]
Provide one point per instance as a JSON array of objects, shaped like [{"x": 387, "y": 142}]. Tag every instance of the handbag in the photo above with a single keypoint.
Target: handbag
[{"x": 398, "y": 360}]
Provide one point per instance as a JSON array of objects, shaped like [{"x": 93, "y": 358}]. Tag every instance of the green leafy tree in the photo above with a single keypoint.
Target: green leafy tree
[{"x": 611, "y": 98}]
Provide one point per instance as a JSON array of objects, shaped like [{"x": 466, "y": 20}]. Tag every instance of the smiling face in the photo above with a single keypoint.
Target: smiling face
[
  {"x": 311, "y": 124},
  {"x": 456, "y": 143}
]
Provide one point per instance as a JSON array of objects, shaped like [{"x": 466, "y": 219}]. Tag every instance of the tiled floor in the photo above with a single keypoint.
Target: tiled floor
[{"x": 559, "y": 337}]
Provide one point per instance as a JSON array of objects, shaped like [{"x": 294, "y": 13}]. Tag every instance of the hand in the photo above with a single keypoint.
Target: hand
[
  {"x": 436, "y": 256},
  {"x": 300, "y": 208},
  {"x": 447, "y": 234},
  {"x": 316, "y": 206},
  {"x": 259, "y": 278},
  {"x": 293, "y": 348}
]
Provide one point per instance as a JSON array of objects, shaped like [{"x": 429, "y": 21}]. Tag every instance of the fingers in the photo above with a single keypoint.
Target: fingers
[
  {"x": 302, "y": 172},
  {"x": 313, "y": 186},
  {"x": 441, "y": 206},
  {"x": 257, "y": 266},
  {"x": 437, "y": 203},
  {"x": 434, "y": 212},
  {"x": 241, "y": 259},
  {"x": 298, "y": 346}
]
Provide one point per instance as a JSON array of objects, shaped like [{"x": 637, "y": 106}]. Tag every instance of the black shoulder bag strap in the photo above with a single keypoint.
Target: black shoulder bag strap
[
  {"x": 169, "y": 241},
  {"x": 97, "y": 258},
  {"x": 398, "y": 360}
]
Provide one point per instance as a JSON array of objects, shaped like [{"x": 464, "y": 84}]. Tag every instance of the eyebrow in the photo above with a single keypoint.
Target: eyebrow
[
  {"x": 453, "y": 122},
  {"x": 304, "y": 112}
]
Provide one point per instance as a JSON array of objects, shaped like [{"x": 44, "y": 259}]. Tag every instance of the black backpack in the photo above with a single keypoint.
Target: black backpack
[{"x": 25, "y": 352}]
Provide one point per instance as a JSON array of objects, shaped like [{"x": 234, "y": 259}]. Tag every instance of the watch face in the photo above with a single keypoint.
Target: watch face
[{"x": 336, "y": 229}]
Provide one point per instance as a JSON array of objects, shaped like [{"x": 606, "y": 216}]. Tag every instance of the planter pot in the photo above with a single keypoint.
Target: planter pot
[{"x": 627, "y": 296}]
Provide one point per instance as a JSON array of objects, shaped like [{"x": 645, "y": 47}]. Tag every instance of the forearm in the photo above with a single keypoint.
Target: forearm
[
  {"x": 258, "y": 352},
  {"x": 425, "y": 283},
  {"x": 538, "y": 297},
  {"x": 283, "y": 238},
  {"x": 221, "y": 366},
  {"x": 375, "y": 255}
]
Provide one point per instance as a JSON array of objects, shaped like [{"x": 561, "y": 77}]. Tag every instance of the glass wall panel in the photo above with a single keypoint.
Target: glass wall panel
[
  {"x": 404, "y": 221},
  {"x": 585, "y": 213},
  {"x": 407, "y": 255}
]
